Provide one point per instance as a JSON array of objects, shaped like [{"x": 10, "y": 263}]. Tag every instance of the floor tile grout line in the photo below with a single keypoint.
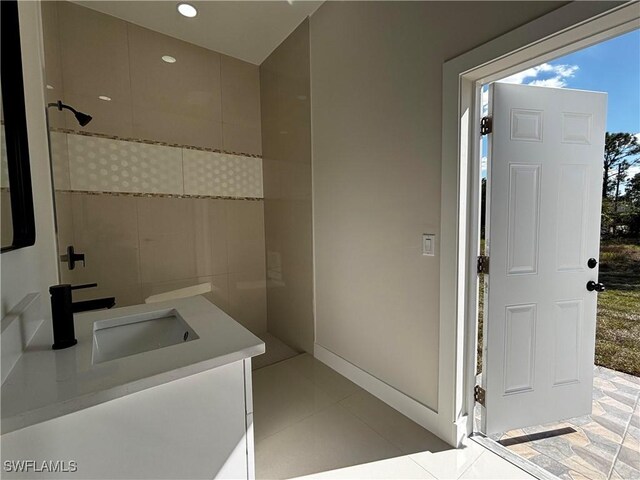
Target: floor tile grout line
[
  {"x": 473, "y": 463},
  {"x": 337, "y": 402},
  {"x": 371, "y": 426},
  {"x": 624, "y": 435},
  {"x": 431, "y": 474}
]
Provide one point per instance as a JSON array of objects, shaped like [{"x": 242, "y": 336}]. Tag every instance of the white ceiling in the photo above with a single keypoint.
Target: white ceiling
[{"x": 248, "y": 30}]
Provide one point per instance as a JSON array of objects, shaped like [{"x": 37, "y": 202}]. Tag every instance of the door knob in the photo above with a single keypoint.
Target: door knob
[{"x": 598, "y": 287}]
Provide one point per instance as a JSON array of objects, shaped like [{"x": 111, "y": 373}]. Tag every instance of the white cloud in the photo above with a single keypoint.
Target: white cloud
[
  {"x": 554, "y": 75},
  {"x": 555, "y": 82}
]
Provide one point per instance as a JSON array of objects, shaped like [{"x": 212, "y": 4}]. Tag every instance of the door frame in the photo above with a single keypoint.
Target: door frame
[{"x": 570, "y": 28}]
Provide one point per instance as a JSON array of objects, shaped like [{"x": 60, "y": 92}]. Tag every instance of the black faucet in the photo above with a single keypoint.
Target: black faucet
[{"x": 63, "y": 308}]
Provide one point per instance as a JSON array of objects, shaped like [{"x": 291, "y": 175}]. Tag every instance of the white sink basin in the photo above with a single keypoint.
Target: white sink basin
[{"x": 129, "y": 335}]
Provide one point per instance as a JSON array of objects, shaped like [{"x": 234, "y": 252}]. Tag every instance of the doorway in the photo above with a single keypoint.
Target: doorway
[{"x": 602, "y": 444}]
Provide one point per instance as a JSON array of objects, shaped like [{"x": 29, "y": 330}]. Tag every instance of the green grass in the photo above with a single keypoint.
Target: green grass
[
  {"x": 618, "y": 321},
  {"x": 618, "y": 324}
]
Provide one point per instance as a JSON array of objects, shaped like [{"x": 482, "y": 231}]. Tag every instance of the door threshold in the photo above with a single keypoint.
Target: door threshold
[{"x": 513, "y": 458}]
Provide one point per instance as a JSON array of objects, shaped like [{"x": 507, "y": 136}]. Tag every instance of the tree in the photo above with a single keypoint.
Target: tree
[
  {"x": 632, "y": 193},
  {"x": 632, "y": 198},
  {"x": 621, "y": 151}
]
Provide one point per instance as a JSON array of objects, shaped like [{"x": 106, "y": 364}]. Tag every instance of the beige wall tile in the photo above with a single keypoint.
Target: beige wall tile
[
  {"x": 102, "y": 164},
  {"x": 167, "y": 239},
  {"x": 241, "y": 139},
  {"x": 286, "y": 133},
  {"x": 52, "y": 60},
  {"x": 248, "y": 300},
  {"x": 151, "y": 123},
  {"x": 95, "y": 61},
  {"x": 289, "y": 271},
  {"x": 105, "y": 229},
  {"x": 59, "y": 160},
  {"x": 64, "y": 219},
  {"x": 219, "y": 294},
  {"x": 245, "y": 237},
  {"x": 110, "y": 118},
  {"x": 240, "y": 92},
  {"x": 184, "y": 94},
  {"x": 210, "y": 226},
  {"x": 285, "y": 100}
]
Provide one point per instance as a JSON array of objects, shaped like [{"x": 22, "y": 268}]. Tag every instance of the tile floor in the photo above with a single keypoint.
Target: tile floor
[
  {"x": 311, "y": 422},
  {"x": 601, "y": 446},
  {"x": 276, "y": 351}
]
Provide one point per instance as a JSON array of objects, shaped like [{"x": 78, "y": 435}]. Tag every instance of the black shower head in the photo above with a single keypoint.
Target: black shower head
[{"x": 83, "y": 118}]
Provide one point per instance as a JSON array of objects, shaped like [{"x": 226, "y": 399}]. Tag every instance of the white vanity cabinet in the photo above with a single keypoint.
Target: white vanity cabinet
[{"x": 199, "y": 426}]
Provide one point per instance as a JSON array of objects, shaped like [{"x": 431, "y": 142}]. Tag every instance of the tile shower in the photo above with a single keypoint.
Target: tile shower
[{"x": 164, "y": 188}]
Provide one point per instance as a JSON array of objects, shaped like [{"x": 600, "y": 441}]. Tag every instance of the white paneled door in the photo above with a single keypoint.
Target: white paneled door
[{"x": 545, "y": 180}]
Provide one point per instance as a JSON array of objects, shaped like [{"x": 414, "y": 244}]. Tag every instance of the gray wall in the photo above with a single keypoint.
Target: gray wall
[
  {"x": 376, "y": 77},
  {"x": 286, "y": 149}
]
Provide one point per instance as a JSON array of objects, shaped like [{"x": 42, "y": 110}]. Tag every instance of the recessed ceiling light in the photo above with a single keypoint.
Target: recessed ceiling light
[
  {"x": 187, "y": 10},
  {"x": 105, "y": 98},
  {"x": 168, "y": 59}
]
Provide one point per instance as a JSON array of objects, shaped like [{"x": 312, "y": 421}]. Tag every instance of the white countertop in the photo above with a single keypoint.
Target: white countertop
[{"x": 46, "y": 383}]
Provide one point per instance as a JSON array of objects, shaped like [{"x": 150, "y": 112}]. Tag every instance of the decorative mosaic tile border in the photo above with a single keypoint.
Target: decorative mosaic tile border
[
  {"x": 101, "y": 163},
  {"x": 157, "y": 195},
  {"x": 149, "y": 142}
]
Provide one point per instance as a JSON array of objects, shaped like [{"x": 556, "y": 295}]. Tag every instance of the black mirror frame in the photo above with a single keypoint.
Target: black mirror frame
[{"x": 15, "y": 125}]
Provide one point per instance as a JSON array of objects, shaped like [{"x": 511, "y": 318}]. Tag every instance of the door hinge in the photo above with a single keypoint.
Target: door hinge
[
  {"x": 479, "y": 394},
  {"x": 486, "y": 125},
  {"x": 483, "y": 264}
]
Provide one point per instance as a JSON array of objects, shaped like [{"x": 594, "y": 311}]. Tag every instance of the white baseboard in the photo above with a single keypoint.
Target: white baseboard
[{"x": 410, "y": 407}]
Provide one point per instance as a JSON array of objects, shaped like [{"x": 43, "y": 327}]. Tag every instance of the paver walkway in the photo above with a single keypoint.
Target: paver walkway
[{"x": 601, "y": 446}]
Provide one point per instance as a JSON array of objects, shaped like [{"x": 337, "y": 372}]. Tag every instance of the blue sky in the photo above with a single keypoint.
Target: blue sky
[{"x": 612, "y": 66}]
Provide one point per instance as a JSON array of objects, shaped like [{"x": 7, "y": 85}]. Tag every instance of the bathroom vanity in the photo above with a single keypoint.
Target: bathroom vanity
[{"x": 150, "y": 391}]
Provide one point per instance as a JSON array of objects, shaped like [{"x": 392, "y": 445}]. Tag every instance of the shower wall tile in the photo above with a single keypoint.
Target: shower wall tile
[
  {"x": 248, "y": 300},
  {"x": 167, "y": 239},
  {"x": 245, "y": 236},
  {"x": 219, "y": 294},
  {"x": 240, "y": 92},
  {"x": 178, "y": 128},
  {"x": 101, "y": 164},
  {"x": 64, "y": 220},
  {"x": 109, "y": 118},
  {"x": 240, "y": 106},
  {"x": 52, "y": 60},
  {"x": 241, "y": 138},
  {"x": 178, "y": 102},
  {"x": 95, "y": 61},
  {"x": 105, "y": 229},
  {"x": 60, "y": 160},
  {"x": 218, "y": 174},
  {"x": 210, "y": 231}
]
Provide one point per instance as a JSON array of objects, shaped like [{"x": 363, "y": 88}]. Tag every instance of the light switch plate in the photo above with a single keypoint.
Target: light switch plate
[{"x": 428, "y": 244}]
